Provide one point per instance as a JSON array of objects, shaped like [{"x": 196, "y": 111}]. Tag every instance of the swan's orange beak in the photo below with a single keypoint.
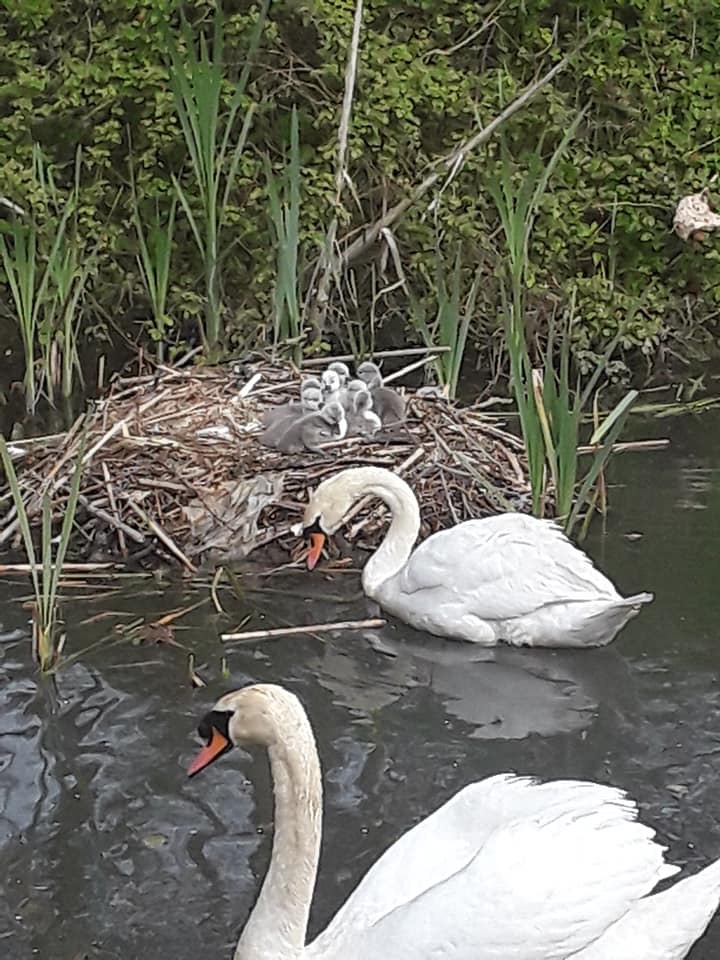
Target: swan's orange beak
[
  {"x": 317, "y": 542},
  {"x": 217, "y": 746}
]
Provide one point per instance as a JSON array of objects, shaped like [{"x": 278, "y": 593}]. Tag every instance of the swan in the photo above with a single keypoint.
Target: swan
[
  {"x": 510, "y": 577},
  {"x": 507, "y": 869}
]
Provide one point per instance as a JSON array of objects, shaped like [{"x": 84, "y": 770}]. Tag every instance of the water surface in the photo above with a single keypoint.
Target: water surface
[{"x": 108, "y": 851}]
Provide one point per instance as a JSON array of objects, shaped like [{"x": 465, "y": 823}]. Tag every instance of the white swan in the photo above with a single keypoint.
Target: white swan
[
  {"x": 507, "y": 869},
  {"x": 509, "y": 577}
]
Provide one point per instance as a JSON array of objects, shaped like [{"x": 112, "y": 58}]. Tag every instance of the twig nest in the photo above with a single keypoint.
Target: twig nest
[{"x": 694, "y": 217}]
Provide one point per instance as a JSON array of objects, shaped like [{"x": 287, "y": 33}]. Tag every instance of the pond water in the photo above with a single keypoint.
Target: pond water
[{"x": 108, "y": 851}]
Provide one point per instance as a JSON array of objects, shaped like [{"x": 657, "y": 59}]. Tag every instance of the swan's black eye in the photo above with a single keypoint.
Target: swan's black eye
[
  {"x": 215, "y": 720},
  {"x": 314, "y": 527}
]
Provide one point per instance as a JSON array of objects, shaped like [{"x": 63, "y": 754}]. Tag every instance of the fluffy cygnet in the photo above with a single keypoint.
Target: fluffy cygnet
[
  {"x": 347, "y": 396},
  {"x": 334, "y": 380},
  {"x": 279, "y": 411},
  {"x": 362, "y": 419},
  {"x": 310, "y": 403},
  {"x": 388, "y": 404},
  {"x": 314, "y": 429}
]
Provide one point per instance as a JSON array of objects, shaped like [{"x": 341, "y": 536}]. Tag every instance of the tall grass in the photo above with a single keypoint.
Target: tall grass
[
  {"x": 45, "y": 575},
  {"x": 550, "y": 408},
  {"x": 47, "y": 267},
  {"x": 453, "y": 315},
  {"x": 155, "y": 242},
  {"x": 71, "y": 264},
  {"x": 215, "y": 139},
  {"x": 561, "y": 408},
  {"x": 284, "y": 203}
]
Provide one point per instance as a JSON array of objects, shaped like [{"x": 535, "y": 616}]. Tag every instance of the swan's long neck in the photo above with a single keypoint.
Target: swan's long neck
[
  {"x": 277, "y": 926},
  {"x": 392, "y": 554}
]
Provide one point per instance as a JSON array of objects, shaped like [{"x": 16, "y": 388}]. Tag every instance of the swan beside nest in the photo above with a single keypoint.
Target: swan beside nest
[
  {"x": 510, "y": 577},
  {"x": 507, "y": 869}
]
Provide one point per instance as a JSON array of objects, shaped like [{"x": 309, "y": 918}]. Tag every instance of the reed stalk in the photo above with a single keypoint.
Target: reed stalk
[
  {"x": 155, "y": 243},
  {"x": 284, "y": 205},
  {"x": 550, "y": 407},
  {"x": 215, "y": 138},
  {"x": 45, "y": 574}
]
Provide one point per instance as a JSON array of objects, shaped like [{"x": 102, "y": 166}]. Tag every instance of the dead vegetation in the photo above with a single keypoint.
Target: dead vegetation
[{"x": 173, "y": 469}]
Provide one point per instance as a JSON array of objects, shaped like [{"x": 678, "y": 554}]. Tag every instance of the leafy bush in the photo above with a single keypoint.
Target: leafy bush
[{"x": 430, "y": 71}]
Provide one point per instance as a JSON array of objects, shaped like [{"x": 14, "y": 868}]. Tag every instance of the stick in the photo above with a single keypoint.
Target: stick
[
  {"x": 161, "y": 535},
  {"x": 328, "y": 258},
  {"x": 113, "y": 507},
  {"x": 122, "y": 424},
  {"x": 454, "y": 160},
  {"x": 408, "y": 369},
  {"x": 378, "y": 355},
  {"x": 113, "y": 520},
  {"x": 71, "y": 567},
  {"x": 629, "y": 445},
  {"x": 310, "y": 628}
]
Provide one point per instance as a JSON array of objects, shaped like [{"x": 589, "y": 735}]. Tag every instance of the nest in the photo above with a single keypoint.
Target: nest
[{"x": 173, "y": 468}]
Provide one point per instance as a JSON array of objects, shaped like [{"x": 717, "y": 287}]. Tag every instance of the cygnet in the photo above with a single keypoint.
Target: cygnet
[
  {"x": 347, "y": 396},
  {"x": 388, "y": 404},
  {"x": 295, "y": 407},
  {"x": 310, "y": 403},
  {"x": 362, "y": 420},
  {"x": 314, "y": 429}
]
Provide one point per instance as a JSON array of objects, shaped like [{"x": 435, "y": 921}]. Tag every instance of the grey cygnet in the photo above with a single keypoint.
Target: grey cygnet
[
  {"x": 314, "y": 429},
  {"x": 362, "y": 420},
  {"x": 310, "y": 403},
  {"x": 388, "y": 404},
  {"x": 272, "y": 414}
]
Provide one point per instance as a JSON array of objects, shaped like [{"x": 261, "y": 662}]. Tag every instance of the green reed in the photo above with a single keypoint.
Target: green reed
[
  {"x": 44, "y": 574},
  {"x": 215, "y": 137}
]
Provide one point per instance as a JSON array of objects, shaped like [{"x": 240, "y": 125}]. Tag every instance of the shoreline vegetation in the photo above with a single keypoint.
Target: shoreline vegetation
[
  {"x": 263, "y": 189},
  {"x": 327, "y": 180}
]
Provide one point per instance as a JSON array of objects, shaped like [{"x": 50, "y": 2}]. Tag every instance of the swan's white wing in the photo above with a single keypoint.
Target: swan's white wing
[
  {"x": 446, "y": 842},
  {"x": 507, "y": 566},
  {"x": 541, "y": 888},
  {"x": 663, "y": 926}
]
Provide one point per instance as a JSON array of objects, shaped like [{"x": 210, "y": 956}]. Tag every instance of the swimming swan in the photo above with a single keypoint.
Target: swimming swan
[
  {"x": 510, "y": 577},
  {"x": 507, "y": 869}
]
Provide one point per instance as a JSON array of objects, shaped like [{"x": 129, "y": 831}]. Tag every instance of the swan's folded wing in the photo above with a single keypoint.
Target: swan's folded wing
[
  {"x": 447, "y": 841},
  {"x": 541, "y": 888},
  {"x": 507, "y": 566}
]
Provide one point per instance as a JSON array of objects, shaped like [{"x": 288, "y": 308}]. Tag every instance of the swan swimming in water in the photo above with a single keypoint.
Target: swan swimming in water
[
  {"x": 510, "y": 577},
  {"x": 507, "y": 869}
]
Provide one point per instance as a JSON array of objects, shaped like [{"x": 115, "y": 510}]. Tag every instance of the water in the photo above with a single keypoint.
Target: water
[{"x": 108, "y": 851}]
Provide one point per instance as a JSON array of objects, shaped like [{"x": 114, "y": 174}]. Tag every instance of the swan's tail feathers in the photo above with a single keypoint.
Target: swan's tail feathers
[
  {"x": 663, "y": 926},
  {"x": 606, "y": 620}
]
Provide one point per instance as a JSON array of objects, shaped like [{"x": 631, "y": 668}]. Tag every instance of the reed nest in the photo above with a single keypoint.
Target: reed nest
[{"x": 173, "y": 469}]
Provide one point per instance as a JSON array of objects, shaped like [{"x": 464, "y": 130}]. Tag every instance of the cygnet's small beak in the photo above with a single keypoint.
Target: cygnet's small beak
[
  {"x": 317, "y": 542},
  {"x": 217, "y": 746}
]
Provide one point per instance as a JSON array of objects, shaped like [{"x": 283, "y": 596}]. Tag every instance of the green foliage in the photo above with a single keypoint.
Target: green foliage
[
  {"x": 452, "y": 321},
  {"x": 550, "y": 408},
  {"x": 155, "y": 243},
  {"x": 214, "y": 146},
  {"x": 44, "y": 575},
  {"x": 284, "y": 202},
  {"x": 428, "y": 74},
  {"x": 46, "y": 273}
]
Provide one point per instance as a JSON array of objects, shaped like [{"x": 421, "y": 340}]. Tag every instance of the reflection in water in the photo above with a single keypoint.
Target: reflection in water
[{"x": 109, "y": 852}]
